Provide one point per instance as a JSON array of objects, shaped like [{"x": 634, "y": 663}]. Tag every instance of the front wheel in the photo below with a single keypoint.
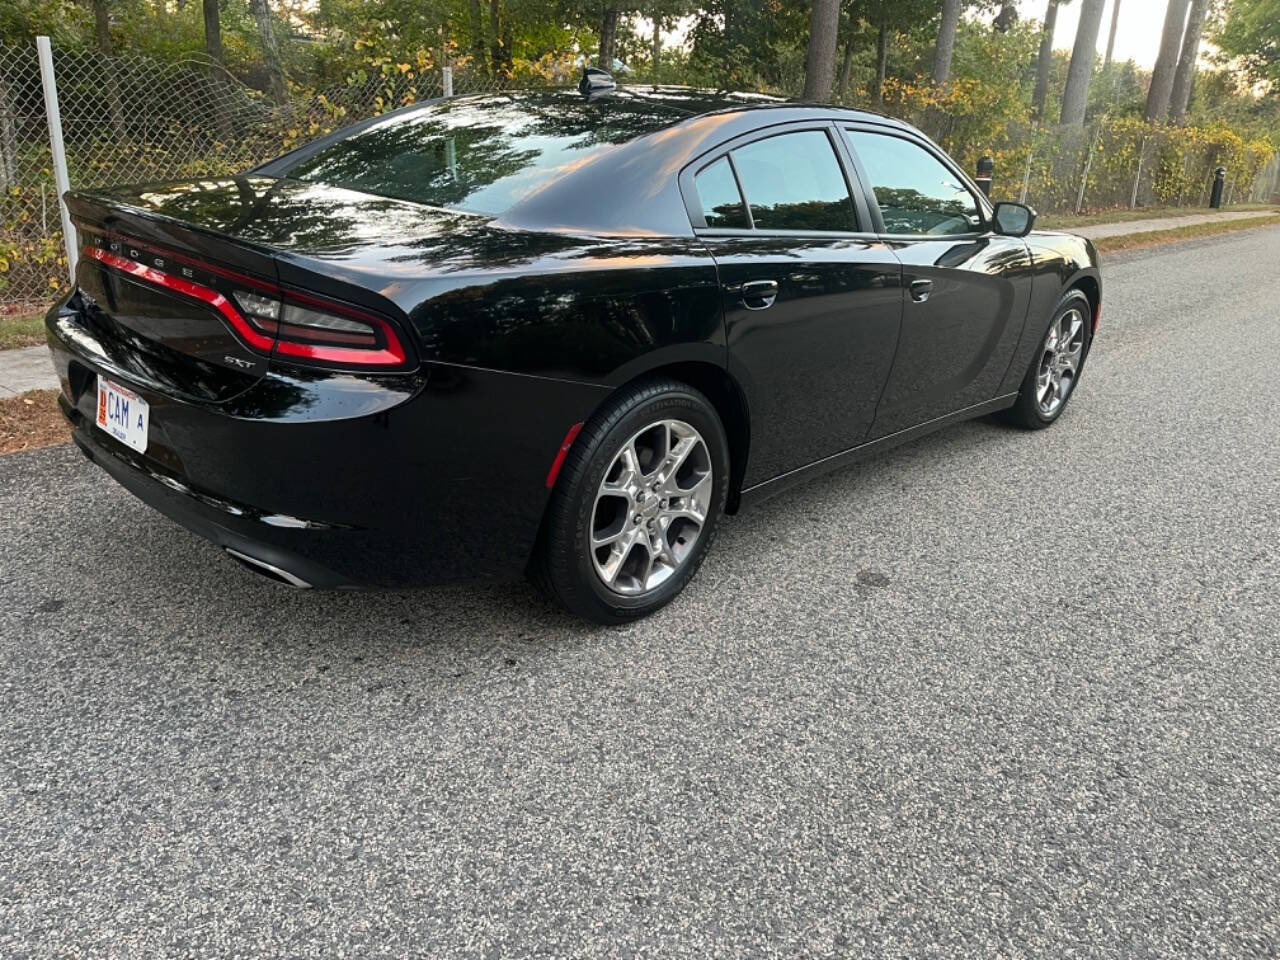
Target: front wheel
[
  {"x": 636, "y": 504},
  {"x": 1055, "y": 369}
]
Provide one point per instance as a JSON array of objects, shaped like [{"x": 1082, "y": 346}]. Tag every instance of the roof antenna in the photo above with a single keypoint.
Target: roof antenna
[{"x": 595, "y": 81}]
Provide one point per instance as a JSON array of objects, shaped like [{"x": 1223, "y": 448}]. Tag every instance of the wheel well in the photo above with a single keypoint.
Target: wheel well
[
  {"x": 726, "y": 396},
  {"x": 1089, "y": 287}
]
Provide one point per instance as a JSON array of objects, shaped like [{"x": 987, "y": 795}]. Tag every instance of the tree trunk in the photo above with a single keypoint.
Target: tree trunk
[
  {"x": 1175, "y": 18},
  {"x": 270, "y": 52},
  {"x": 102, "y": 33},
  {"x": 1111, "y": 37},
  {"x": 217, "y": 77},
  {"x": 820, "y": 65},
  {"x": 1044, "y": 60},
  {"x": 946, "y": 41},
  {"x": 882, "y": 64},
  {"x": 608, "y": 37},
  {"x": 846, "y": 64},
  {"x": 495, "y": 37},
  {"x": 212, "y": 31},
  {"x": 477, "y": 37},
  {"x": 1180, "y": 98},
  {"x": 1075, "y": 98},
  {"x": 657, "y": 48}
]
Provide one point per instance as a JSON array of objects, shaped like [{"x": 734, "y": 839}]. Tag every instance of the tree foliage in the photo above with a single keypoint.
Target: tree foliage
[{"x": 1248, "y": 34}]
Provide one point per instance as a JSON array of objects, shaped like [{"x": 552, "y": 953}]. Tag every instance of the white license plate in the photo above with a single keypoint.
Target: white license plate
[{"x": 123, "y": 414}]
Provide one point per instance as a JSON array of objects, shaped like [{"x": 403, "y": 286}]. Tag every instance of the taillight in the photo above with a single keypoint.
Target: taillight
[
  {"x": 321, "y": 331},
  {"x": 289, "y": 322}
]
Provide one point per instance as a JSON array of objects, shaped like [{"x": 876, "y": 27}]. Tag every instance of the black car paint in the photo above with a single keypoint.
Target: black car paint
[{"x": 523, "y": 325}]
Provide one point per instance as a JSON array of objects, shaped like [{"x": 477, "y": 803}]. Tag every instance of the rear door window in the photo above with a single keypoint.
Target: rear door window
[{"x": 793, "y": 181}]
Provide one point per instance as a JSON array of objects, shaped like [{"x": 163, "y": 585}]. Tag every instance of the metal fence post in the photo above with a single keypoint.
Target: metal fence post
[
  {"x": 1084, "y": 178},
  {"x": 1026, "y": 174},
  {"x": 446, "y": 76},
  {"x": 60, "y": 179},
  {"x": 1137, "y": 177}
]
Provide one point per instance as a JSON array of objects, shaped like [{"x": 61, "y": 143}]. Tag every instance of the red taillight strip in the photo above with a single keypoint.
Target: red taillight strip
[
  {"x": 556, "y": 464},
  {"x": 391, "y": 355},
  {"x": 185, "y": 287}
]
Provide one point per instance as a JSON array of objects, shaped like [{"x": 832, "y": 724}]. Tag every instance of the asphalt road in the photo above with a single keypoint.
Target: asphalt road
[{"x": 994, "y": 694}]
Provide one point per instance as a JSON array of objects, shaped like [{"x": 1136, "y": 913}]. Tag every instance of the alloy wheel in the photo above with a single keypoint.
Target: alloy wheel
[
  {"x": 651, "y": 507},
  {"x": 1060, "y": 362}
]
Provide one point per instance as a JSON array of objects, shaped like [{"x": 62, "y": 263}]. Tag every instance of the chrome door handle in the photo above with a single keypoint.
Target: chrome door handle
[
  {"x": 920, "y": 290},
  {"x": 759, "y": 294}
]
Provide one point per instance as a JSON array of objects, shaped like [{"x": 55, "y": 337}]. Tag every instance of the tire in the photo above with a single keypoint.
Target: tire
[
  {"x": 1031, "y": 410},
  {"x": 653, "y": 557}
]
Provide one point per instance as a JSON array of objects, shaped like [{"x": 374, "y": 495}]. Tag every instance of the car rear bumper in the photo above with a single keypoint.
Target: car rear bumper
[{"x": 337, "y": 479}]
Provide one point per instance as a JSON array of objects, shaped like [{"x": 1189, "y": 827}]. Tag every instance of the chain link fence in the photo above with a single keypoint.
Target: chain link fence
[
  {"x": 1111, "y": 163},
  {"x": 134, "y": 120},
  {"x": 137, "y": 120}
]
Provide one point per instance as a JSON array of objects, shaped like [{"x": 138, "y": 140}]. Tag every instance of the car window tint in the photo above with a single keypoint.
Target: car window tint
[
  {"x": 479, "y": 154},
  {"x": 916, "y": 193},
  {"x": 794, "y": 182},
  {"x": 722, "y": 204}
]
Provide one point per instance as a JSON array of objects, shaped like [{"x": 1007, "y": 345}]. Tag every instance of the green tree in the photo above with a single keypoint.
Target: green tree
[{"x": 1248, "y": 34}]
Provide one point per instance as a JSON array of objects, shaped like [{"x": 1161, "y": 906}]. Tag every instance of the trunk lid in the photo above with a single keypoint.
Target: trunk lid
[{"x": 163, "y": 268}]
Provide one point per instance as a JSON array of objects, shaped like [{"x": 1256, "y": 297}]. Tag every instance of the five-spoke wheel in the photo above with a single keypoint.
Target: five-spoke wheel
[
  {"x": 1054, "y": 370},
  {"x": 651, "y": 506},
  {"x": 636, "y": 503},
  {"x": 1060, "y": 358}
]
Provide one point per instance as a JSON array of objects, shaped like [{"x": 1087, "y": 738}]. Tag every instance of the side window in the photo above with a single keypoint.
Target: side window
[
  {"x": 722, "y": 204},
  {"x": 794, "y": 182},
  {"x": 916, "y": 193}
]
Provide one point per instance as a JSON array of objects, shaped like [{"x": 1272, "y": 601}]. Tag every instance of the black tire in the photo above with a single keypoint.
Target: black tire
[
  {"x": 1026, "y": 411},
  {"x": 562, "y": 566}
]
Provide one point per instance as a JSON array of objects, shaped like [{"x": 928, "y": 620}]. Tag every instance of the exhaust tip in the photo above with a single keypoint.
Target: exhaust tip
[{"x": 268, "y": 570}]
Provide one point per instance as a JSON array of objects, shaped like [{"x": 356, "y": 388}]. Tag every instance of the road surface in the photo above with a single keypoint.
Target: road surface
[{"x": 993, "y": 694}]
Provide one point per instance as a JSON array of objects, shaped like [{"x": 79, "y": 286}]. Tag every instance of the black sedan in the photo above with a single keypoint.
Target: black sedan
[{"x": 550, "y": 333}]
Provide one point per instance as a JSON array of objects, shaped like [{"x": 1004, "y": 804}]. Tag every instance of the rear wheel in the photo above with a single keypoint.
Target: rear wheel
[
  {"x": 1055, "y": 369},
  {"x": 636, "y": 504}
]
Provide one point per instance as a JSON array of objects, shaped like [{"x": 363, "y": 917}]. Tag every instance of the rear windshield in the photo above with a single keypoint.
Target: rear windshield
[{"x": 480, "y": 155}]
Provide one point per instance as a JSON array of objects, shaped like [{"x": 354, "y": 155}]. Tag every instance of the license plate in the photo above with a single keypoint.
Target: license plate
[{"x": 123, "y": 414}]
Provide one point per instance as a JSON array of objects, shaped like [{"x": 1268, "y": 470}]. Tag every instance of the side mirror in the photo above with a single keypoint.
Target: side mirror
[{"x": 1013, "y": 219}]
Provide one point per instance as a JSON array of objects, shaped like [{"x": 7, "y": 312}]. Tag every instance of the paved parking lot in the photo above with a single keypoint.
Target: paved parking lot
[{"x": 994, "y": 694}]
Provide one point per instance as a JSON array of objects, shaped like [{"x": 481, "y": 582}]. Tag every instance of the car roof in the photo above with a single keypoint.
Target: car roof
[
  {"x": 683, "y": 102},
  {"x": 633, "y": 189}
]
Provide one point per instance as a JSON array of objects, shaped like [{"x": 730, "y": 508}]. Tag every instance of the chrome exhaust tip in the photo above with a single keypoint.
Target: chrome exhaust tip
[{"x": 269, "y": 570}]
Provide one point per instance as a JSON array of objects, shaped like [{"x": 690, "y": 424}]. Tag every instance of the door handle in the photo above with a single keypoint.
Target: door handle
[
  {"x": 920, "y": 290},
  {"x": 759, "y": 294}
]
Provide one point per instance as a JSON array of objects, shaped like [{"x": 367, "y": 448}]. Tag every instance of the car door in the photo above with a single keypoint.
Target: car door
[
  {"x": 967, "y": 288},
  {"x": 812, "y": 297}
]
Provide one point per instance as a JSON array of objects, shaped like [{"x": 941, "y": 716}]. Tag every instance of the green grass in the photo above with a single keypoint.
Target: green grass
[
  {"x": 1061, "y": 221},
  {"x": 21, "y": 330},
  {"x": 1151, "y": 238}
]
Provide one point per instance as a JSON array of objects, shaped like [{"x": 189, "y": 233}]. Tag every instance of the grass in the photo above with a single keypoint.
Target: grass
[
  {"x": 1134, "y": 241},
  {"x": 1063, "y": 221},
  {"x": 30, "y": 421},
  {"x": 21, "y": 330}
]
